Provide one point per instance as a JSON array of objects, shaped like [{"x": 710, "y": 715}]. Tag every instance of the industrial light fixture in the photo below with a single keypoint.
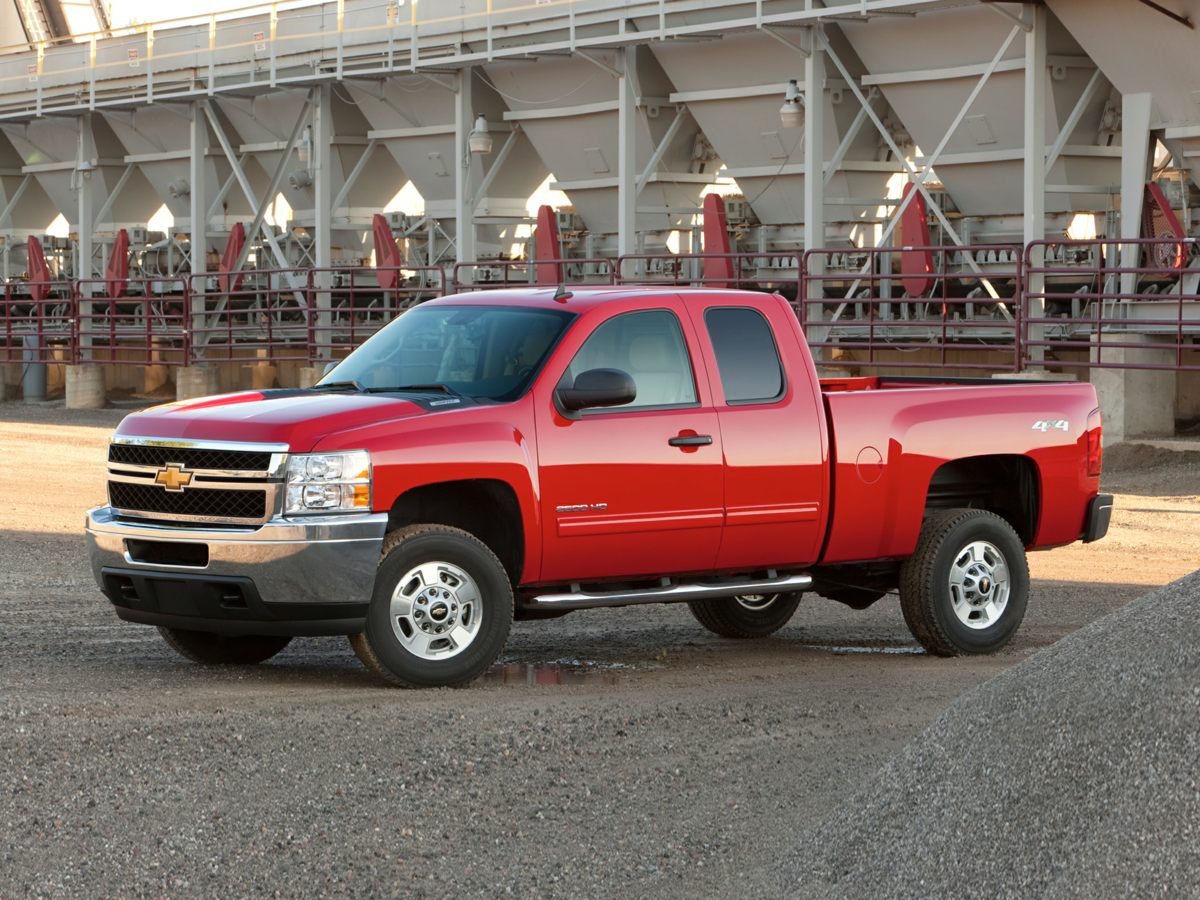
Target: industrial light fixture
[
  {"x": 480, "y": 139},
  {"x": 179, "y": 188},
  {"x": 791, "y": 114}
]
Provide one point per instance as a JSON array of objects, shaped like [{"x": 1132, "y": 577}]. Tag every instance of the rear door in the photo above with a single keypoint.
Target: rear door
[
  {"x": 772, "y": 435},
  {"x": 632, "y": 490}
]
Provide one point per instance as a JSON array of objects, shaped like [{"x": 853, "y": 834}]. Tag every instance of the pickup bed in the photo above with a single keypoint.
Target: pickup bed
[{"x": 523, "y": 453}]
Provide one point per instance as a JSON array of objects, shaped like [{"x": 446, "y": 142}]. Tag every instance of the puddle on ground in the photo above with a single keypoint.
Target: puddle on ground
[
  {"x": 907, "y": 650},
  {"x": 550, "y": 673}
]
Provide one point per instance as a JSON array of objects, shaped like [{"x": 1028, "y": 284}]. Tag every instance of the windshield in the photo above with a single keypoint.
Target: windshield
[{"x": 484, "y": 352}]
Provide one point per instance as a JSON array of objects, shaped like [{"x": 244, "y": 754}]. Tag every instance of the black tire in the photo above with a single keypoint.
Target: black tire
[
  {"x": 210, "y": 649},
  {"x": 727, "y": 617},
  {"x": 926, "y": 597},
  {"x": 382, "y": 651}
]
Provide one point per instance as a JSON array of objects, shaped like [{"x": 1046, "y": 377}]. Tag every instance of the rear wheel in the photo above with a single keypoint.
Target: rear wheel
[
  {"x": 965, "y": 588},
  {"x": 747, "y": 615},
  {"x": 441, "y": 610},
  {"x": 210, "y": 649}
]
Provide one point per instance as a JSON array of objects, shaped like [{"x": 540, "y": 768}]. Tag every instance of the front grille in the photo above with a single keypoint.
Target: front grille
[
  {"x": 190, "y": 457},
  {"x": 216, "y": 502}
]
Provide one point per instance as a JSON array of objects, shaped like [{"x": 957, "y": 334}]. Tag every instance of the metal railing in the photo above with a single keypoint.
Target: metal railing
[
  {"x": 146, "y": 323},
  {"x": 1058, "y": 305},
  {"x": 36, "y": 322},
  {"x": 301, "y": 313},
  {"x": 779, "y": 272},
  {"x": 1113, "y": 304},
  {"x": 856, "y": 309},
  {"x": 493, "y": 274}
]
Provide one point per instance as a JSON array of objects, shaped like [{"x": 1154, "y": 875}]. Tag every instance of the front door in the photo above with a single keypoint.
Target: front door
[{"x": 634, "y": 490}]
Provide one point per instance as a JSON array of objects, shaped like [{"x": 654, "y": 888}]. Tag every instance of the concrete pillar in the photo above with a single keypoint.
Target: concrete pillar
[
  {"x": 310, "y": 375},
  {"x": 197, "y": 381},
  {"x": 1136, "y": 403},
  {"x": 262, "y": 376},
  {"x": 85, "y": 387}
]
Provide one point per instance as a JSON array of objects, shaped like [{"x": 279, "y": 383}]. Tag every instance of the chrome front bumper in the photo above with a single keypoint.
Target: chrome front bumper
[{"x": 303, "y": 575}]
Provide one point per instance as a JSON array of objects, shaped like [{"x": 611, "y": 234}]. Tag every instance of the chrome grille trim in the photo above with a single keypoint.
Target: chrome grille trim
[{"x": 269, "y": 481}]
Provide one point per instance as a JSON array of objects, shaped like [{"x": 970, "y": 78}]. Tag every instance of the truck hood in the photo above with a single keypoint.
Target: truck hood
[{"x": 297, "y": 418}]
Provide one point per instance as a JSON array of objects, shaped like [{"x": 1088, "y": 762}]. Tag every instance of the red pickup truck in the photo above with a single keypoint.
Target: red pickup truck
[{"x": 522, "y": 453}]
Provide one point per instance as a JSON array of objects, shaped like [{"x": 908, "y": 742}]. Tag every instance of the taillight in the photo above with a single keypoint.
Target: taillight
[{"x": 1095, "y": 452}]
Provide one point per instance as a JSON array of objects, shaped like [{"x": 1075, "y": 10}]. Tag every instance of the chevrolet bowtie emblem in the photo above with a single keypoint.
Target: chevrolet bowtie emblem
[{"x": 173, "y": 477}]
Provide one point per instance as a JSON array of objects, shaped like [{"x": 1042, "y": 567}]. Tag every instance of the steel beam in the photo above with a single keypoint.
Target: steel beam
[
  {"x": 1136, "y": 111},
  {"x": 112, "y": 195},
  {"x": 244, "y": 183},
  {"x": 198, "y": 207},
  {"x": 468, "y": 166},
  {"x": 322, "y": 161},
  {"x": 498, "y": 162},
  {"x": 814, "y": 141},
  {"x": 1034, "y": 183},
  {"x": 85, "y": 219},
  {"x": 627, "y": 93},
  {"x": 6, "y": 213},
  {"x": 681, "y": 113},
  {"x": 352, "y": 178},
  {"x": 1072, "y": 121}
]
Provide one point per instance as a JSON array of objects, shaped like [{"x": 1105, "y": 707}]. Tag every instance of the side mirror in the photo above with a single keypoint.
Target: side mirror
[{"x": 598, "y": 387}]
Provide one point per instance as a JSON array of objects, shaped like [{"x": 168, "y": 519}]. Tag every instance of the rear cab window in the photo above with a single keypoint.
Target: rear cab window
[{"x": 747, "y": 356}]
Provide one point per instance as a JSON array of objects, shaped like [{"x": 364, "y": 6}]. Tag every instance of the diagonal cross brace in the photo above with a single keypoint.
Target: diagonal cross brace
[{"x": 923, "y": 173}]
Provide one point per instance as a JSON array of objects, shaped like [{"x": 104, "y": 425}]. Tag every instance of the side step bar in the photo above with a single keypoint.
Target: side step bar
[{"x": 673, "y": 593}]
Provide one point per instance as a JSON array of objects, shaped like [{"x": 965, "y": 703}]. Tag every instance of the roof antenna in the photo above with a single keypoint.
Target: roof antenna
[{"x": 562, "y": 295}]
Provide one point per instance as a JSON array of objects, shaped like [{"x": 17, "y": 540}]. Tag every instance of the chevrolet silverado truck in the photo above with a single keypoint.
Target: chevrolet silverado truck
[{"x": 522, "y": 453}]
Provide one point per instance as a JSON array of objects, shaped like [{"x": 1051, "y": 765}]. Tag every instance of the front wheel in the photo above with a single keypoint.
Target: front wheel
[
  {"x": 965, "y": 588},
  {"x": 441, "y": 610},
  {"x": 210, "y": 649},
  {"x": 745, "y": 616}
]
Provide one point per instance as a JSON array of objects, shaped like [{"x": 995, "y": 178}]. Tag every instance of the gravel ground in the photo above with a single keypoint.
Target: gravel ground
[
  {"x": 1071, "y": 774},
  {"x": 616, "y": 752}
]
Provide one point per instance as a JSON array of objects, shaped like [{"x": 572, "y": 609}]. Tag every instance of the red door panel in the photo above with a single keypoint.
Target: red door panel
[
  {"x": 776, "y": 469},
  {"x": 618, "y": 499}
]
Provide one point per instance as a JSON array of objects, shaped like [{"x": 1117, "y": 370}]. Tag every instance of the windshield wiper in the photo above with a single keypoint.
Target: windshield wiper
[
  {"x": 340, "y": 386},
  {"x": 432, "y": 387}
]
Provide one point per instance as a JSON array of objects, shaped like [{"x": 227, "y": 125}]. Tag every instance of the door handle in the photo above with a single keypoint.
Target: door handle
[{"x": 690, "y": 440}]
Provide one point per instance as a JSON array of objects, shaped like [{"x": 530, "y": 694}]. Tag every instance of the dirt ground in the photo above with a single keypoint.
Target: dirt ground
[{"x": 613, "y": 752}]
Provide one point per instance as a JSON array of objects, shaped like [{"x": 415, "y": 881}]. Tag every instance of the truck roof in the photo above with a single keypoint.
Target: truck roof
[{"x": 579, "y": 297}]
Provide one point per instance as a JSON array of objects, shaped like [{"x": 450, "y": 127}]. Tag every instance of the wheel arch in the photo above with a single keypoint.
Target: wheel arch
[
  {"x": 1008, "y": 485},
  {"x": 487, "y": 508}
]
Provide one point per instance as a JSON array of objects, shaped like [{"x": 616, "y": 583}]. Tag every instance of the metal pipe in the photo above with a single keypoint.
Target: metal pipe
[{"x": 675, "y": 593}]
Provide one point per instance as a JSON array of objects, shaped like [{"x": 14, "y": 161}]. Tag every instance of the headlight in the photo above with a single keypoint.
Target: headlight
[{"x": 328, "y": 482}]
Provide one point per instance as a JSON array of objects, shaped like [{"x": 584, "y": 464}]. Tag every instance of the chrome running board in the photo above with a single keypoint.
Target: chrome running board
[{"x": 670, "y": 593}]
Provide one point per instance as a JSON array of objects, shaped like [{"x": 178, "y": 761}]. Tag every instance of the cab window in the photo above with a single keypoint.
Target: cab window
[
  {"x": 650, "y": 346},
  {"x": 747, "y": 357}
]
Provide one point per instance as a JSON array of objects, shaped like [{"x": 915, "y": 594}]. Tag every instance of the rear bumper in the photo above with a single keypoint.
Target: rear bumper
[
  {"x": 1099, "y": 513},
  {"x": 289, "y": 576}
]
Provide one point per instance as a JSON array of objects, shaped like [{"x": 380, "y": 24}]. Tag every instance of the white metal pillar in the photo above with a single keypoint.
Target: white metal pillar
[
  {"x": 465, "y": 180},
  {"x": 1034, "y": 189},
  {"x": 198, "y": 191},
  {"x": 86, "y": 161},
  {"x": 1136, "y": 110},
  {"x": 322, "y": 166},
  {"x": 627, "y": 171},
  {"x": 814, "y": 143}
]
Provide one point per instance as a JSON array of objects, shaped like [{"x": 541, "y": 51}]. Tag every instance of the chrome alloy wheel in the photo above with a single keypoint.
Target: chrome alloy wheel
[
  {"x": 979, "y": 585},
  {"x": 436, "y": 611},
  {"x": 756, "y": 601}
]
